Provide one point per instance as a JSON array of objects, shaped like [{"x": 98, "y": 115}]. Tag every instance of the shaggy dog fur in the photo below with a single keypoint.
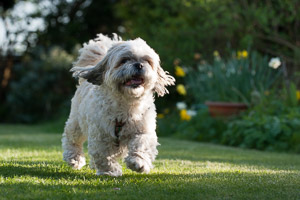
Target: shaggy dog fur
[{"x": 113, "y": 106}]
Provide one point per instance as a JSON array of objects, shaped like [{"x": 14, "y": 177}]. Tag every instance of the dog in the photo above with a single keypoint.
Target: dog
[{"x": 113, "y": 107}]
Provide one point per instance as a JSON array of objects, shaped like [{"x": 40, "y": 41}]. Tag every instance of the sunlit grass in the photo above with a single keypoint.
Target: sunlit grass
[{"x": 31, "y": 167}]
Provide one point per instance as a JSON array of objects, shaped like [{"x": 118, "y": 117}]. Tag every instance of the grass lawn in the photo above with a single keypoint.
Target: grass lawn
[{"x": 31, "y": 167}]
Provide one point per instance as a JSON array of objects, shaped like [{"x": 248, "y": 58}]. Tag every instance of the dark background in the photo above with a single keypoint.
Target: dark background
[{"x": 35, "y": 83}]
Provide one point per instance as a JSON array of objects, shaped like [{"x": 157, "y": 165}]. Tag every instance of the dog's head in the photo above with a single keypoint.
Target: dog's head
[{"x": 131, "y": 68}]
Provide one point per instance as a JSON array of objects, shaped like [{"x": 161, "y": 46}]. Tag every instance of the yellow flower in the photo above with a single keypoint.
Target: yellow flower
[
  {"x": 184, "y": 115},
  {"x": 179, "y": 71},
  {"x": 242, "y": 54},
  {"x": 217, "y": 56},
  {"x": 160, "y": 116},
  {"x": 298, "y": 95},
  {"x": 216, "y": 53},
  {"x": 239, "y": 55},
  {"x": 181, "y": 89}
]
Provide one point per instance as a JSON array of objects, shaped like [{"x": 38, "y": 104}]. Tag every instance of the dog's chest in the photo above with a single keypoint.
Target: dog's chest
[
  {"x": 129, "y": 124},
  {"x": 118, "y": 119},
  {"x": 128, "y": 119},
  {"x": 124, "y": 130}
]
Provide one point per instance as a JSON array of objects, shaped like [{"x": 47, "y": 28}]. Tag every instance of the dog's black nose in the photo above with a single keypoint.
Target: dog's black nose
[{"x": 138, "y": 65}]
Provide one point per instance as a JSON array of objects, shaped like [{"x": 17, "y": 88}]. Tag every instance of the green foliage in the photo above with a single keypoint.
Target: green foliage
[
  {"x": 41, "y": 88},
  {"x": 272, "y": 125},
  {"x": 290, "y": 95},
  {"x": 76, "y": 22},
  {"x": 232, "y": 80},
  {"x": 201, "y": 127},
  {"x": 31, "y": 167},
  {"x": 39, "y": 85},
  {"x": 179, "y": 29}
]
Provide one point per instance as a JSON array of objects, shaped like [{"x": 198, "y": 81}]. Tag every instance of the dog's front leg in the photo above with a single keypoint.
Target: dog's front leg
[
  {"x": 142, "y": 152},
  {"x": 104, "y": 157}
]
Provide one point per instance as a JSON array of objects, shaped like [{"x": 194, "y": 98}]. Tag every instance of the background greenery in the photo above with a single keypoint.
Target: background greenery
[{"x": 181, "y": 28}]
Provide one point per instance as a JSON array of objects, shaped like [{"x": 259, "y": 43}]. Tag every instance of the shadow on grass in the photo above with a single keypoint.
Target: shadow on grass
[
  {"x": 79, "y": 185},
  {"x": 56, "y": 170},
  {"x": 52, "y": 170}
]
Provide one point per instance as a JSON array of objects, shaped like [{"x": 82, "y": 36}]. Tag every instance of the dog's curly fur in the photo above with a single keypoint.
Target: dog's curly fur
[{"x": 117, "y": 82}]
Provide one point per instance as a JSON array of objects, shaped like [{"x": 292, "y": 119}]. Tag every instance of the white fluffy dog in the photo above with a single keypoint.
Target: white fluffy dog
[{"x": 113, "y": 106}]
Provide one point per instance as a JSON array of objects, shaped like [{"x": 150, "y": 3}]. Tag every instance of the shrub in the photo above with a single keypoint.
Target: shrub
[
  {"x": 271, "y": 125},
  {"x": 265, "y": 131},
  {"x": 41, "y": 87},
  {"x": 200, "y": 127}
]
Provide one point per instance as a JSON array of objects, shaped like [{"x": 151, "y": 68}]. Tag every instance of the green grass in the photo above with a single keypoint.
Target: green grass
[{"x": 31, "y": 167}]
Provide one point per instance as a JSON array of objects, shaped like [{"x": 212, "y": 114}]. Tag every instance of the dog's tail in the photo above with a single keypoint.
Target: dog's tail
[{"x": 93, "y": 52}]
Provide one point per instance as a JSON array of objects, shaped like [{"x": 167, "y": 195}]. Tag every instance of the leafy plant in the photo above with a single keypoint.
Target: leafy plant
[
  {"x": 201, "y": 127},
  {"x": 41, "y": 87},
  {"x": 269, "y": 126},
  {"x": 235, "y": 79}
]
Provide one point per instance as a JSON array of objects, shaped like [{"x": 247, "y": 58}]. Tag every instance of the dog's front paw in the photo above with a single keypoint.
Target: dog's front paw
[
  {"x": 78, "y": 162},
  {"x": 137, "y": 164},
  {"x": 110, "y": 173}
]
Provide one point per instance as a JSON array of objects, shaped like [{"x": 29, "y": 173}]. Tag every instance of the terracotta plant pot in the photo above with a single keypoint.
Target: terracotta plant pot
[{"x": 225, "y": 109}]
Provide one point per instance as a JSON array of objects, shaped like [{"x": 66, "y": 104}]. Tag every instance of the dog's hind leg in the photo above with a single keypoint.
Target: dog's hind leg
[{"x": 72, "y": 143}]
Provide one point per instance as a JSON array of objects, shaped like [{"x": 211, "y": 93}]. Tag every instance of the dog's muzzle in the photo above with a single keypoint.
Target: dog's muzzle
[{"x": 134, "y": 82}]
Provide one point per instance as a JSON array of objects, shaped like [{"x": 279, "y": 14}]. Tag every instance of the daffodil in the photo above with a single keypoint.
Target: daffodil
[
  {"x": 191, "y": 113},
  {"x": 274, "y": 63},
  {"x": 298, "y": 95},
  {"x": 179, "y": 71},
  {"x": 216, "y": 53},
  {"x": 242, "y": 54},
  {"x": 181, "y": 89},
  {"x": 181, "y": 105},
  {"x": 160, "y": 116},
  {"x": 184, "y": 115}
]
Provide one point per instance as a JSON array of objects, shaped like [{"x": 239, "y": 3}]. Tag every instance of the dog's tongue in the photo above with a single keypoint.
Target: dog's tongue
[{"x": 134, "y": 81}]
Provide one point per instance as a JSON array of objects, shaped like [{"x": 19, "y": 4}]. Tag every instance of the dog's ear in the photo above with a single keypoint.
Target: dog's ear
[
  {"x": 164, "y": 79},
  {"x": 93, "y": 74}
]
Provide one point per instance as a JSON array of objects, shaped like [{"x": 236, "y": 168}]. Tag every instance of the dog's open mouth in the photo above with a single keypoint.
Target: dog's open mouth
[{"x": 134, "y": 82}]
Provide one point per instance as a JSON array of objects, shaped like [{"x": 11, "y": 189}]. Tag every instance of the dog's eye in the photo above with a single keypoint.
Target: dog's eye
[
  {"x": 150, "y": 62},
  {"x": 124, "y": 60}
]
